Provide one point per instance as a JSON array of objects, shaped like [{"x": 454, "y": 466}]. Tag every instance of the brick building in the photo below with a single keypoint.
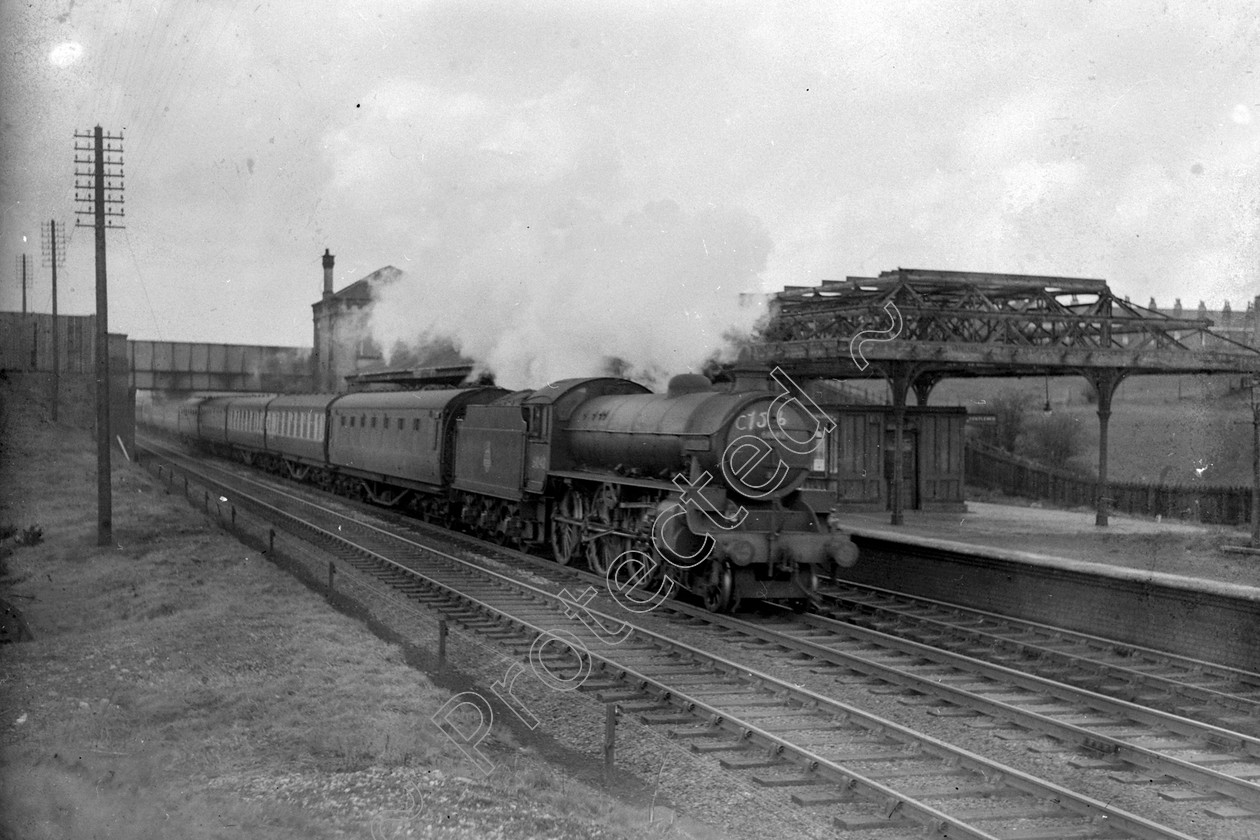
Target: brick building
[{"x": 343, "y": 344}]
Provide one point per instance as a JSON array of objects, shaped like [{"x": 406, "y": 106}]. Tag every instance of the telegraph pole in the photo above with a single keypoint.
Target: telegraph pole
[
  {"x": 1255, "y": 462},
  {"x": 55, "y": 255},
  {"x": 103, "y": 153},
  {"x": 21, "y": 262}
]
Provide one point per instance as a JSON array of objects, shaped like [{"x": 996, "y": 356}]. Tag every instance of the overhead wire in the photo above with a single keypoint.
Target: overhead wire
[
  {"x": 223, "y": 87},
  {"x": 115, "y": 48},
  {"x": 139, "y": 57},
  {"x": 144, "y": 287},
  {"x": 173, "y": 74},
  {"x": 135, "y": 81},
  {"x": 145, "y": 75}
]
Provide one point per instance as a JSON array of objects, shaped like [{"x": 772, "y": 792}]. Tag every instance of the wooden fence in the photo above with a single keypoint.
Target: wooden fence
[
  {"x": 26, "y": 343},
  {"x": 995, "y": 469}
]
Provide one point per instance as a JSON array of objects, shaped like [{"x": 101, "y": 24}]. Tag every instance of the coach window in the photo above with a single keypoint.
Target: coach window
[
  {"x": 400, "y": 424},
  {"x": 415, "y": 425},
  {"x": 373, "y": 421},
  {"x": 343, "y": 420}
]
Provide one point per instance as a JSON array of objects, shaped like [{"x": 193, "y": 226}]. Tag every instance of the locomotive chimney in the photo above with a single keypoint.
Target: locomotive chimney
[{"x": 328, "y": 267}]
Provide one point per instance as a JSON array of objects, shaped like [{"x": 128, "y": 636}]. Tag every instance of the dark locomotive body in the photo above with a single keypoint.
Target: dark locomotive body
[{"x": 702, "y": 486}]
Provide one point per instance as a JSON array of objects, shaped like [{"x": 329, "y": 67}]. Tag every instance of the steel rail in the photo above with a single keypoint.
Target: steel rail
[
  {"x": 1094, "y": 644},
  {"x": 938, "y": 821},
  {"x": 1206, "y": 778}
]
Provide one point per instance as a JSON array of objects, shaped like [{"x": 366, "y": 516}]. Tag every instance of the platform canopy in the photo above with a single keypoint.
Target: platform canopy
[
  {"x": 918, "y": 326},
  {"x": 958, "y": 323}
]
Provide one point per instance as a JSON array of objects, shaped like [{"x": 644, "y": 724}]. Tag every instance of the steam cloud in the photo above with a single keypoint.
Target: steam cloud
[
  {"x": 533, "y": 249},
  {"x": 658, "y": 291}
]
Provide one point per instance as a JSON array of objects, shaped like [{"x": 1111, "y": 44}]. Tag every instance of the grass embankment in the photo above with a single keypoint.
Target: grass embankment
[{"x": 180, "y": 685}]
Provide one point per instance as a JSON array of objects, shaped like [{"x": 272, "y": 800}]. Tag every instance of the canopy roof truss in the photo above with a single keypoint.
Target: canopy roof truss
[{"x": 975, "y": 324}]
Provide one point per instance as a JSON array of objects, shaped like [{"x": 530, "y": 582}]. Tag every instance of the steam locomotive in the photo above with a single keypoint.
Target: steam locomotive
[{"x": 705, "y": 485}]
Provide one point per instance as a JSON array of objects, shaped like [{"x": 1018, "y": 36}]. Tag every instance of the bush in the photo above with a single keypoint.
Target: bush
[
  {"x": 1054, "y": 440},
  {"x": 1009, "y": 409},
  {"x": 33, "y": 535}
]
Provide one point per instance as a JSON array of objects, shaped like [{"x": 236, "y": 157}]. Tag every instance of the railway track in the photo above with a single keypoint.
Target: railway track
[
  {"x": 865, "y": 771},
  {"x": 1227, "y": 697}
]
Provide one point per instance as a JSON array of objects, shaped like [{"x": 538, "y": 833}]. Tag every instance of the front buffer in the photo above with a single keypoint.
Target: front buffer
[{"x": 771, "y": 553}]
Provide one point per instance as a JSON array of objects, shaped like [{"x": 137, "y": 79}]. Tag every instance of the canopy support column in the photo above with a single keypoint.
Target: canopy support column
[{"x": 1105, "y": 382}]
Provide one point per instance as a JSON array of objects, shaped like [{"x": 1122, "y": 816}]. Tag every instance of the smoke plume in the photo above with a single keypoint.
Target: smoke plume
[{"x": 575, "y": 294}]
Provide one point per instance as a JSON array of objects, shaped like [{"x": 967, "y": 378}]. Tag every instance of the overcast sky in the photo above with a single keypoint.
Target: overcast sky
[{"x": 595, "y": 169}]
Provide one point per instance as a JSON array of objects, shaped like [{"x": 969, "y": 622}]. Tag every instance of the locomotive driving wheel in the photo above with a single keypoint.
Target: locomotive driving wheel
[
  {"x": 719, "y": 589},
  {"x": 566, "y": 536},
  {"x": 603, "y": 550},
  {"x": 601, "y": 553}
]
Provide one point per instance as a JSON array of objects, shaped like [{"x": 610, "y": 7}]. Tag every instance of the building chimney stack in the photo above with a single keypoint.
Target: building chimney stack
[{"x": 328, "y": 267}]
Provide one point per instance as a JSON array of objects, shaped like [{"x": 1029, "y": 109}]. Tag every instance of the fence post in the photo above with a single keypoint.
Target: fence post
[
  {"x": 332, "y": 570},
  {"x": 271, "y": 540},
  {"x": 441, "y": 643},
  {"x": 610, "y": 739}
]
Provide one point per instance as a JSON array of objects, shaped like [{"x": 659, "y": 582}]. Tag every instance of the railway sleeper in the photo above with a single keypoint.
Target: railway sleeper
[
  {"x": 665, "y": 718},
  {"x": 821, "y": 796},
  {"x": 750, "y": 762},
  {"x": 785, "y": 781},
  {"x": 868, "y": 823},
  {"x": 702, "y": 748}
]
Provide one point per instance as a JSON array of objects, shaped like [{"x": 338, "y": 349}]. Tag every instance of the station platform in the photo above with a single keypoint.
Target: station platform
[
  {"x": 1167, "y": 547},
  {"x": 1158, "y": 584}
]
